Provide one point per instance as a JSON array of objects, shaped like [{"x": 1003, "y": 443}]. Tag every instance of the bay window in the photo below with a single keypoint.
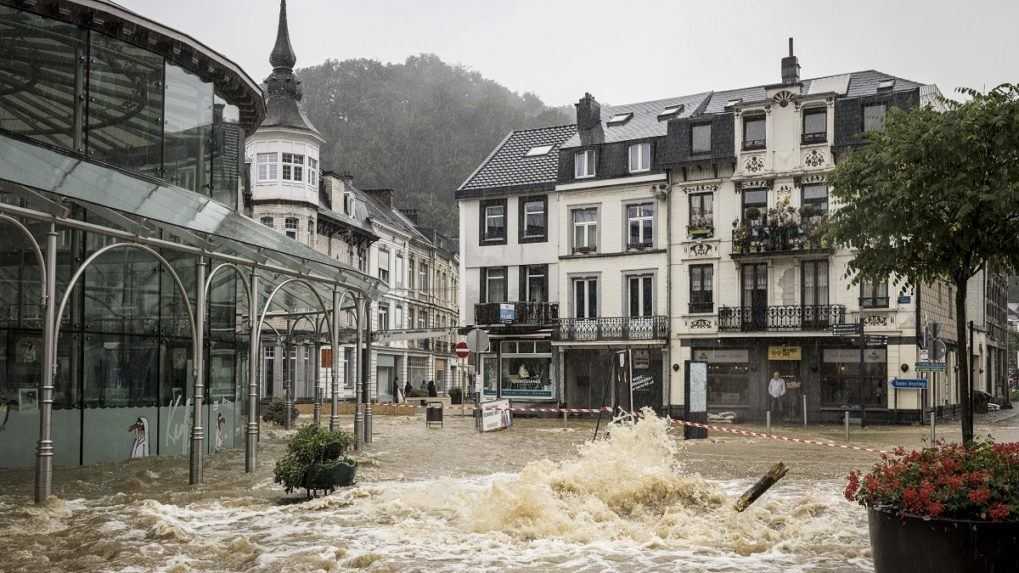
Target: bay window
[
  {"x": 268, "y": 166},
  {"x": 293, "y": 167}
]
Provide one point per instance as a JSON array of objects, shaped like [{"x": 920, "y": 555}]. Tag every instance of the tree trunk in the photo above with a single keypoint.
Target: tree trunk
[{"x": 965, "y": 403}]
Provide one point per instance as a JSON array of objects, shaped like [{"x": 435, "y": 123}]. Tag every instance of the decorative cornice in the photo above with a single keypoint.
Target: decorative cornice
[{"x": 699, "y": 187}]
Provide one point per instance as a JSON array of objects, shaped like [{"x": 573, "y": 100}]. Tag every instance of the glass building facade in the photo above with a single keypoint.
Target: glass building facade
[{"x": 118, "y": 125}]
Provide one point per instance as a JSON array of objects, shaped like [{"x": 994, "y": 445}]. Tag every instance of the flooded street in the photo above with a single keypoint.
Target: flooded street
[{"x": 533, "y": 498}]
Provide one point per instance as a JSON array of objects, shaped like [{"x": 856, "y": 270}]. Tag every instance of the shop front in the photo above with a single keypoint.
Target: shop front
[{"x": 520, "y": 370}]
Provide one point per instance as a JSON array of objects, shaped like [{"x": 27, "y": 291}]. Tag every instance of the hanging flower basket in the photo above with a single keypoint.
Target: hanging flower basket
[{"x": 947, "y": 508}]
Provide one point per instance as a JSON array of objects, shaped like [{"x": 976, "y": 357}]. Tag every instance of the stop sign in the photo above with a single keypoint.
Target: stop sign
[{"x": 461, "y": 349}]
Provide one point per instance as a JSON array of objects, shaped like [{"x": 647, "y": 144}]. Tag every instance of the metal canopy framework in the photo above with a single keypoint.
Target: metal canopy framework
[{"x": 44, "y": 186}]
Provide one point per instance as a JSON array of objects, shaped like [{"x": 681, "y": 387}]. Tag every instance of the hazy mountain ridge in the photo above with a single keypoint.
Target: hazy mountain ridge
[{"x": 374, "y": 115}]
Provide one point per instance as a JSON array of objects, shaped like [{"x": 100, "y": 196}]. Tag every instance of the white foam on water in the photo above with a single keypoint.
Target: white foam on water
[{"x": 621, "y": 504}]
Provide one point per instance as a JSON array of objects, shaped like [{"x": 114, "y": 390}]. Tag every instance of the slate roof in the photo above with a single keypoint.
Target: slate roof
[
  {"x": 644, "y": 123},
  {"x": 507, "y": 165}
]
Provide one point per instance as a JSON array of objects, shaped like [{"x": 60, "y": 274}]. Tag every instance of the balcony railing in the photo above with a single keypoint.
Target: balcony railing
[
  {"x": 534, "y": 313},
  {"x": 614, "y": 328},
  {"x": 772, "y": 238},
  {"x": 780, "y": 318}
]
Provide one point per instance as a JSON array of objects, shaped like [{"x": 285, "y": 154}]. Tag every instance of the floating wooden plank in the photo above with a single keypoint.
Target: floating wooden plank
[{"x": 769, "y": 479}]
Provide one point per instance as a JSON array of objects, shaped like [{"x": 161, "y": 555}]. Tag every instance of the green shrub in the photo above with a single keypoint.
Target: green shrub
[
  {"x": 308, "y": 451},
  {"x": 274, "y": 412},
  {"x": 456, "y": 395}
]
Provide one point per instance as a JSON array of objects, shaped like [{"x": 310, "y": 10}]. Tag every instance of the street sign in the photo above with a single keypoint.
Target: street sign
[
  {"x": 845, "y": 329},
  {"x": 909, "y": 383},
  {"x": 871, "y": 340},
  {"x": 507, "y": 312},
  {"x": 477, "y": 341},
  {"x": 461, "y": 349},
  {"x": 930, "y": 366}
]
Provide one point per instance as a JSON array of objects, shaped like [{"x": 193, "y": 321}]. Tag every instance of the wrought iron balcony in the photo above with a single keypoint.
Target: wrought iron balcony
[
  {"x": 529, "y": 313},
  {"x": 780, "y": 318},
  {"x": 614, "y": 328},
  {"x": 772, "y": 238}
]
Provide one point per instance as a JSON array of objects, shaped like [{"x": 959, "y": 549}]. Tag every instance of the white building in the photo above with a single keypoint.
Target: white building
[{"x": 686, "y": 230}]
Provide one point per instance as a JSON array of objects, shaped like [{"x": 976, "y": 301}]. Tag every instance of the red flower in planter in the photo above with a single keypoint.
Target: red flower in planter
[
  {"x": 998, "y": 512},
  {"x": 980, "y": 496},
  {"x": 935, "y": 508}
]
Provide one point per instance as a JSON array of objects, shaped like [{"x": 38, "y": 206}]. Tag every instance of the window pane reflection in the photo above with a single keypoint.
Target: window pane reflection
[
  {"x": 125, "y": 102},
  {"x": 188, "y": 129}
]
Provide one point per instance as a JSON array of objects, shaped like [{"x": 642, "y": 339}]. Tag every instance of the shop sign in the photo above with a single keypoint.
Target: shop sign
[
  {"x": 852, "y": 356},
  {"x": 495, "y": 415},
  {"x": 909, "y": 383},
  {"x": 784, "y": 353},
  {"x": 726, "y": 356},
  {"x": 641, "y": 359},
  {"x": 507, "y": 312}
]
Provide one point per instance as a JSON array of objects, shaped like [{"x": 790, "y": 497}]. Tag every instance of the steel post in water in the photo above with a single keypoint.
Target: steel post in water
[
  {"x": 44, "y": 449},
  {"x": 933, "y": 433},
  {"x": 334, "y": 339},
  {"x": 357, "y": 357},
  {"x": 847, "y": 425},
  {"x": 254, "y": 356},
  {"x": 366, "y": 372},
  {"x": 197, "y": 432},
  {"x": 315, "y": 370},
  {"x": 767, "y": 420},
  {"x": 288, "y": 380},
  {"x": 804, "y": 409}
]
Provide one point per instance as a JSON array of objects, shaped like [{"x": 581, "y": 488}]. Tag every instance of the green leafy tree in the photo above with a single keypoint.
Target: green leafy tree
[{"x": 935, "y": 196}]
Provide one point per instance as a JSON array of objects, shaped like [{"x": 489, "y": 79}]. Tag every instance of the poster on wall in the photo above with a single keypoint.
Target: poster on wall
[
  {"x": 495, "y": 415},
  {"x": 698, "y": 387}
]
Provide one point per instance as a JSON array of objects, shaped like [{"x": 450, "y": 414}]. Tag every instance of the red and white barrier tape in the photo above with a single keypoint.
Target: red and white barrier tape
[
  {"x": 776, "y": 437},
  {"x": 471, "y": 406}
]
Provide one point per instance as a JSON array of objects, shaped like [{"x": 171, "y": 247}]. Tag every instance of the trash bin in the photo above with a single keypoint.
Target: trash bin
[{"x": 433, "y": 414}]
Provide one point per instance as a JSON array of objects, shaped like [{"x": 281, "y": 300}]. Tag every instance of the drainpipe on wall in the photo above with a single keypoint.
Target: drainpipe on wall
[{"x": 668, "y": 284}]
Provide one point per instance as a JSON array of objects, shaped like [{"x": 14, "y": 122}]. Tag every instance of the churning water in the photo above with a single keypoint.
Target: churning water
[{"x": 621, "y": 504}]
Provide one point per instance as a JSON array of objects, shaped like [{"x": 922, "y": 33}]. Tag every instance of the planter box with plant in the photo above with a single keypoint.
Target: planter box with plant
[
  {"x": 946, "y": 508},
  {"x": 315, "y": 461},
  {"x": 456, "y": 395}
]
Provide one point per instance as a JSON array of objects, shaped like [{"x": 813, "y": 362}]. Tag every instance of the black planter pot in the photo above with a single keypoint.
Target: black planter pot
[{"x": 918, "y": 545}]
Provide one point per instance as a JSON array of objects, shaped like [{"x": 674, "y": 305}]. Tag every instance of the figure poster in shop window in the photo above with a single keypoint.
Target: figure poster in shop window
[{"x": 140, "y": 445}]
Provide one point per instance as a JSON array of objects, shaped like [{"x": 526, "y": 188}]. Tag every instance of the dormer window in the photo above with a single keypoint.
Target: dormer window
[
  {"x": 268, "y": 166},
  {"x": 754, "y": 132},
  {"x": 700, "y": 138},
  {"x": 873, "y": 117},
  {"x": 293, "y": 167},
  {"x": 886, "y": 84},
  {"x": 538, "y": 151},
  {"x": 620, "y": 118},
  {"x": 640, "y": 157},
  {"x": 670, "y": 111},
  {"x": 815, "y": 125},
  {"x": 348, "y": 204},
  {"x": 733, "y": 102},
  {"x": 584, "y": 163}
]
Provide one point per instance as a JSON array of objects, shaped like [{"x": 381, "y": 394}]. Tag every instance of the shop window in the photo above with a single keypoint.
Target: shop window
[
  {"x": 840, "y": 377},
  {"x": 526, "y": 369},
  {"x": 728, "y": 384}
]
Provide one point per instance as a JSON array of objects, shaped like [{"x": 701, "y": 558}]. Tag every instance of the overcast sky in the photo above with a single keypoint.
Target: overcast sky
[{"x": 623, "y": 51}]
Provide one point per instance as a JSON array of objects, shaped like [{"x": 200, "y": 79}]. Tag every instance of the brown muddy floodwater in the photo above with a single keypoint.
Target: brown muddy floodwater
[{"x": 536, "y": 497}]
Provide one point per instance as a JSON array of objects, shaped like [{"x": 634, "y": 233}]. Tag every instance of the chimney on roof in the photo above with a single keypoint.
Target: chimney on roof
[
  {"x": 411, "y": 214},
  {"x": 382, "y": 196},
  {"x": 790, "y": 67},
  {"x": 588, "y": 113}
]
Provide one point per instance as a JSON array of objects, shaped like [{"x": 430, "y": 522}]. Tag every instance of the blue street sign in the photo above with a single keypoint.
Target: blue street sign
[
  {"x": 903, "y": 299},
  {"x": 910, "y": 383},
  {"x": 930, "y": 366},
  {"x": 507, "y": 312}
]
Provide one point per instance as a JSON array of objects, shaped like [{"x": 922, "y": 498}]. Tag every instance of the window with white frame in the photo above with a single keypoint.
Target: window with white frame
[
  {"x": 267, "y": 166},
  {"x": 535, "y": 283},
  {"x": 702, "y": 218},
  {"x": 423, "y": 277},
  {"x": 700, "y": 138},
  {"x": 290, "y": 227},
  {"x": 384, "y": 266},
  {"x": 267, "y": 221},
  {"x": 874, "y": 117},
  {"x": 312, "y": 171},
  {"x": 399, "y": 270},
  {"x": 533, "y": 215},
  {"x": 585, "y": 230},
  {"x": 494, "y": 283},
  {"x": 640, "y": 157},
  {"x": 398, "y": 317},
  {"x": 640, "y": 222},
  {"x": 383, "y": 317},
  {"x": 640, "y": 289},
  {"x": 702, "y": 288},
  {"x": 293, "y": 167},
  {"x": 585, "y": 297},
  {"x": 493, "y": 224},
  {"x": 311, "y": 233},
  {"x": 348, "y": 203},
  {"x": 584, "y": 163}
]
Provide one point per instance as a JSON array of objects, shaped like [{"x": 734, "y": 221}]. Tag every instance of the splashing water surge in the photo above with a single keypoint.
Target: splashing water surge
[{"x": 620, "y": 504}]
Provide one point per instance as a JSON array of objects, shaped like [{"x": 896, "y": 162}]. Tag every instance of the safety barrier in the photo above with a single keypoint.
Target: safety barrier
[{"x": 776, "y": 437}]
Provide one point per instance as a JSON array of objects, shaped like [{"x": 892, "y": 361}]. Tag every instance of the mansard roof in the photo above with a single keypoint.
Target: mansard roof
[{"x": 509, "y": 167}]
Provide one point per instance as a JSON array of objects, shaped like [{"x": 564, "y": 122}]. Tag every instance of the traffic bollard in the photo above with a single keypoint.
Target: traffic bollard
[
  {"x": 847, "y": 425},
  {"x": 767, "y": 420}
]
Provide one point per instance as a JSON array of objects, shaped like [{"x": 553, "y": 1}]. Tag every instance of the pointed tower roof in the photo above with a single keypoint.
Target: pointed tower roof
[
  {"x": 282, "y": 55},
  {"x": 282, "y": 89}
]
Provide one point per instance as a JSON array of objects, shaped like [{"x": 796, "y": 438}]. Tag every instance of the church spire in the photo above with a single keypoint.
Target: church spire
[{"x": 282, "y": 55}]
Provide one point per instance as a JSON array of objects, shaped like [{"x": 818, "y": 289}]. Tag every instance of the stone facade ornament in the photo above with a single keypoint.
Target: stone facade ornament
[
  {"x": 754, "y": 164},
  {"x": 875, "y": 320},
  {"x": 814, "y": 158},
  {"x": 701, "y": 323},
  {"x": 785, "y": 192},
  {"x": 700, "y": 249},
  {"x": 783, "y": 98},
  {"x": 700, "y": 188}
]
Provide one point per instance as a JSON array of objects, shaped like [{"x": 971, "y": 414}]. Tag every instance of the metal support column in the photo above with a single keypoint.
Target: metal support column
[
  {"x": 334, "y": 335},
  {"x": 197, "y": 431},
  {"x": 366, "y": 371},
  {"x": 315, "y": 378},
  {"x": 358, "y": 367},
  {"x": 289, "y": 377},
  {"x": 44, "y": 449},
  {"x": 251, "y": 438}
]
